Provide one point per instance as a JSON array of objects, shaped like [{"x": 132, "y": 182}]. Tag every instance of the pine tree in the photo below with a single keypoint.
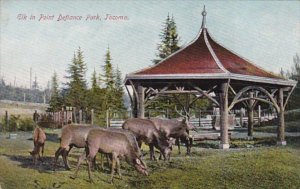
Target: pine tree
[
  {"x": 119, "y": 91},
  {"x": 55, "y": 101},
  {"x": 109, "y": 83},
  {"x": 76, "y": 87},
  {"x": 169, "y": 40},
  {"x": 174, "y": 43},
  {"x": 168, "y": 45},
  {"x": 94, "y": 81},
  {"x": 108, "y": 71},
  {"x": 96, "y": 94}
]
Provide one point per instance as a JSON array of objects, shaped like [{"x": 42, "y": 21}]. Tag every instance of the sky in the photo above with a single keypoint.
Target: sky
[{"x": 265, "y": 32}]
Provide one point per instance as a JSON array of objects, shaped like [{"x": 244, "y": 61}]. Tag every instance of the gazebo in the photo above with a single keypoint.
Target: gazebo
[{"x": 206, "y": 69}]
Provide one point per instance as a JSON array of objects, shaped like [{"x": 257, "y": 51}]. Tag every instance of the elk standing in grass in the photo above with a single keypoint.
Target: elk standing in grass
[
  {"x": 39, "y": 138},
  {"x": 71, "y": 135},
  {"x": 117, "y": 145},
  {"x": 145, "y": 131},
  {"x": 175, "y": 129}
]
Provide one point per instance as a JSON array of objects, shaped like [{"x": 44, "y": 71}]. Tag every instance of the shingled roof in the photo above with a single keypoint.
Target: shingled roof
[{"x": 204, "y": 58}]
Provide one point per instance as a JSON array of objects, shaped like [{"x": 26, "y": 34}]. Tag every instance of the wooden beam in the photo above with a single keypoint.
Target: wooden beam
[
  {"x": 201, "y": 95},
  {"x": 207, "y": 95},
  {"x": 179, "y": 92},
  {"x": 248, "y": 98},
  {"x": 134, "y": 89},
  {"x": 233, "y": 91},
  {"x": 131, "y": 100},
  {"x": 245, "y": 89},
  {"x": 288, "y": 97}
]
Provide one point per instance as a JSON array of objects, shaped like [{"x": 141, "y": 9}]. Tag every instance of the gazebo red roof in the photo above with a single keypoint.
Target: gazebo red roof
[{"x": 204, "y": 58}]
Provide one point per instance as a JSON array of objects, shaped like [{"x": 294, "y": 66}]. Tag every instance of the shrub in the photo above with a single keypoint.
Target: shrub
[
  {"x": 14, "y": 122},
  {"x": 26, "y": 124}
]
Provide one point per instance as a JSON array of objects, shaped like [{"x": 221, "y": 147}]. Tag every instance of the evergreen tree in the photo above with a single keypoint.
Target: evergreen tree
[
  {"x": 76, "y": 87},
  {"x": 169, "y": 40},
  {"x": 55, "y": 101},
  {"x": 108, "y": 71},
  {"x": 169, "y": 44},
  {"x": 119, "y": 91},
  {"x": 96, "y": 94},
  {"x": 109, "y": 82}
]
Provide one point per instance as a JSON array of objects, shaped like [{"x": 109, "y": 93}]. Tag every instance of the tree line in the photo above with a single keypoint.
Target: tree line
[
  {"x": 16, "y": 93},
  {"x": 105, "y": 91}
]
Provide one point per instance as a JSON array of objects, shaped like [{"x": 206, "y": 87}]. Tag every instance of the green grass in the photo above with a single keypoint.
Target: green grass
[
  {"x": 292, "y": 126},
  {"x": 266, "y": 166}
]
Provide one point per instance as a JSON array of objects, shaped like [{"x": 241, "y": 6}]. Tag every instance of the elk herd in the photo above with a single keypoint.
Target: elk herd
[{"x": 118, "y": 144}]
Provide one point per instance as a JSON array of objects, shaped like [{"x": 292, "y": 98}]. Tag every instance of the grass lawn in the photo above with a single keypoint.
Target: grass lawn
[
  {"x": 266, "y": 166},
  {"x": 292, "y": 126}
]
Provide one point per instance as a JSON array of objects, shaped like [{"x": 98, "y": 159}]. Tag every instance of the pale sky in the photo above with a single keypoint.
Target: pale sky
[{"x": 265, "y": 32}]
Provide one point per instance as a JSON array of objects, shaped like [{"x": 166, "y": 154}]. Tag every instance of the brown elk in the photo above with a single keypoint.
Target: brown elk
[
  {"x": 117, "y": 145},
  {"x": 145, "y": 131},
  {"x": 71, "y": 135},
  {"x": 39, "y": 138},
  {"x": 175, "y": 129}
]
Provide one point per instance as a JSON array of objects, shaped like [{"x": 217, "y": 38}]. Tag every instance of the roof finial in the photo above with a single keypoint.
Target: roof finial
[{"x": 204, "y": 18}]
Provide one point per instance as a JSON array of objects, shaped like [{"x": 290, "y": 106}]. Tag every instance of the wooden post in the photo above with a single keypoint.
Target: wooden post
[
  {"x": 199, "y": 117},
  {"x": 259, "y": 115},
  {"x": 281, "y": 124},
  {"x": 250, "y": 116},
  {"x": 134, "y": 107},
  {"x": 74, "y": 113},
  {"x": 92, "y": 116},
  {"x": 224, "y": 116},
  {"x": 107, "y": 119},
  {"x": 62, "y": 117},
  {"x": 35, "y": 117},
  {"x": 241, "y": 116},
  {"x": 80, "y": 116},
  {"x": 140, "y": 104},
  {"x": 6, "y": 121}
]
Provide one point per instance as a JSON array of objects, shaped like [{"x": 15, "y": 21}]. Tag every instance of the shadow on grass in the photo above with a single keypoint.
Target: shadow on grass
[
  {"x": 37, "y": 184},
  {"x": 244, "y": 143},
  {"x": 50, "y": 137},
  {"x": 44, "y": 166}
]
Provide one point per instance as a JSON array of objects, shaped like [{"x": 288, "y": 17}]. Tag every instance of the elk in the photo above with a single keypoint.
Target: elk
[
  {"x": 145, "y": 131},
  {"x": 71, "y": 135},
  {"x": 175, "y": 129},
  {"x": 117, "y": 145},
  {"x": 39, "y": 138}
]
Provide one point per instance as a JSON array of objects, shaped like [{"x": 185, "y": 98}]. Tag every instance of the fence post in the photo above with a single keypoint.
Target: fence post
[
  {"x": 62, "y": 117},
  {"x": 80, "y": 116},
  {"x": 92, "y": 116},
  {"x": 107, "y": 118},
  {"x": 35, "y": 116},
  {"x": 74, "y": 113},
  {"x": 199, "y": 117},
  {"x": 6, "y": 121}
]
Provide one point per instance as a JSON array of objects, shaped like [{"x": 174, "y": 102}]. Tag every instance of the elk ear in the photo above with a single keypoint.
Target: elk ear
[{"x": 138, "y": 161}]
